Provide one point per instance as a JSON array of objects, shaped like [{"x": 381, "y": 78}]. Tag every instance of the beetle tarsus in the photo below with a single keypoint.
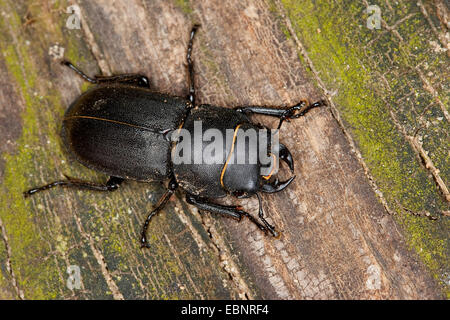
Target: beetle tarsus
[
  {"x": 256, "y": 222},
  {"x": 299, "y": 110},
  {"x": 190, "y": 64},
  {"x": 293, "y": 112},
  {"x": 268, "y": 226}
]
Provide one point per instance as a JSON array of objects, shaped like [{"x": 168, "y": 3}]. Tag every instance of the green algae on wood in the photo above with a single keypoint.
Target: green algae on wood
[
  {"x": 374, "y": 73},
  {"x": 99, "y": 232},
  {"x": 55, "y": 230}
]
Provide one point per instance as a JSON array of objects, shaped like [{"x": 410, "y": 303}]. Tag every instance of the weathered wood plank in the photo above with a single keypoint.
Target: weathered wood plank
[
  {"x": 389, "y": 88},
  {"x": 338, "y": 241},
  {"x": 96, "y": 232}
]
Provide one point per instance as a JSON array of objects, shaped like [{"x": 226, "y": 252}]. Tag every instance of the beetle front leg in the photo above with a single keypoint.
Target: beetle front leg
[
  {"x": 111, "y": 185},
  {"x": 234, "y": 212},
  {"x": 134, "y": 79},
  {"x": 293, "y": 112}
]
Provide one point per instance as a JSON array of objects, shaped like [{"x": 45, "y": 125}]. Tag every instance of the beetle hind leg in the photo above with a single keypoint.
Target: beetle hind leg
[
  {"x": 111, "y": 185},
  {"x": 172, "y": 187}
]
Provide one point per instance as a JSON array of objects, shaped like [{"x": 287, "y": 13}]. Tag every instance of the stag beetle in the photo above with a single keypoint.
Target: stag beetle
[{"x": 120, "y": 126}]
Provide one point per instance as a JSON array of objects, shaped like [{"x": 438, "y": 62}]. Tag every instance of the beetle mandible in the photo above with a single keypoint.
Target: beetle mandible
[{"x": 120, "y": 126}]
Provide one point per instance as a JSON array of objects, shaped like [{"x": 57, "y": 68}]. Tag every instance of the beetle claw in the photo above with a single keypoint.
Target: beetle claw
[
  {"x": 286, "y": 156},
  {"x": 276, "y": 186},
  {"x": 144, "y": 243},
  {"x": 276, "y": 234}
]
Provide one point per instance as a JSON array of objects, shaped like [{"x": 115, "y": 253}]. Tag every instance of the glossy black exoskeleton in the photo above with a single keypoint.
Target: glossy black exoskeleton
[{"x": 120, "y": 128}]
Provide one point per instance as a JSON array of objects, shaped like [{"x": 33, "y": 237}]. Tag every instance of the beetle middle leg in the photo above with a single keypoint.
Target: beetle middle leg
[
  {"x": 134, "y": 79},
  {"x": 172, "y": 187},
  {"x": 111, "y": 185},
  {"x": 234, "y": 212}
]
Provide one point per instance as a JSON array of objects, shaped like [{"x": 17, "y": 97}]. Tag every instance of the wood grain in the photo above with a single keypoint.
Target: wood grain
[{"x": 338, "y": 241}]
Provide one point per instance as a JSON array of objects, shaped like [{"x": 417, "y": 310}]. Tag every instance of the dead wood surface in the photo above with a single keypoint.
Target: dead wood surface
[{"x": 338, "y": 240}]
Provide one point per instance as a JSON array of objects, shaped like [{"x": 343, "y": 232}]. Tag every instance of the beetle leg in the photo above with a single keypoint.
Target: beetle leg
[
  {"x": 134, "y": 79},
  {"x": 261, "y": 216},
  {"x": 299, "y": 110},
  {"x": 190, "y": 64},
  {"x": 293, "y": 112},
  {"x": 234, "y": 212},
  {"x": 202, "y": 204},
  {"x": 111, "y": 185},
  {"x": 172, "y": 187}
]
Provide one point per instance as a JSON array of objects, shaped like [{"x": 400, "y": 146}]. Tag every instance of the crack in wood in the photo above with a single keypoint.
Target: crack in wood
[
  {"x": 94, "y": 48},
  {"x": 417, "y": 148},
  {"x": 442, "y": 14},
  {"x": 420, "y": 152},
  {"x": 176, "y": 255},
  {"x": 334, "y": 111},
  {"x": 426, "y": 84},
  {"x": 300, "y": 266},
  {"x": 226, "y": 261},
  {"x": 422, "y": 155},
  {"x": 100, "y": 260},
  {"x": 428, "y": 87},
  {"x": 9, "y": 267}
]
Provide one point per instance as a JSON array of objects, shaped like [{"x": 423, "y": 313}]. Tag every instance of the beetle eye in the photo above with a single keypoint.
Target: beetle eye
[{"x": 143, "y": 81}]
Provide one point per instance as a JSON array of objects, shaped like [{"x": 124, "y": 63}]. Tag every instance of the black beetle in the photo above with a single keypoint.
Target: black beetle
[{"x": 120, "y": 128}]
